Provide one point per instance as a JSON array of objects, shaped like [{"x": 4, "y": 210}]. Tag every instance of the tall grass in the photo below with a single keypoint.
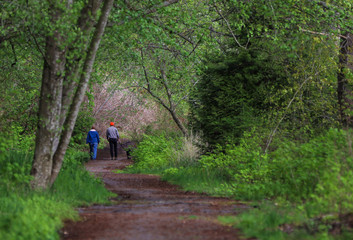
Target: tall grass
[
  {"x": 176, "y": 160},
  {"x": 27, "y": 214},
  {"x": 193, "y": 178},
  {"x": 32, "y": 216},
  {"x": 76, "y": 186},
  {"x": 310, "y": 184}
]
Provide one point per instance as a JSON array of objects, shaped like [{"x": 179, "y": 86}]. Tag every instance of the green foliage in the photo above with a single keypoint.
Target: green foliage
[
  {"x": 15, "y": 169},
  {"x": 231, "y": 94},
  {"x": 32, "y": 217},
  {"x": 175, "y": 158},
  {"x": 154, "y": 152},
  {"x": 320, "y": 170},
  {"x": 244, "y": 166},
  {"x": 313, "y": 180},
  {"x": 25, "y": 214},
  {"x": 268, "y": 222},
  {"x": 164, "y": 150},
  {"x": 83, "y": 124},
  {"x": 75, "y": 185},
  {"x": 196, "y": 179}
]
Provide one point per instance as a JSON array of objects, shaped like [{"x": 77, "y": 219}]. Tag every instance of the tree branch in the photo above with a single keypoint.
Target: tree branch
[{"x": 229, "y": 27}]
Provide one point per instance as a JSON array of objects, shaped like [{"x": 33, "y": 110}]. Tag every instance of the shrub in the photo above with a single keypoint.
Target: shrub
[
  {"x": 158, "y": 152},
  {"x": 154, "y": 152},
  {"x": 321, "y": 168},
  {"x": 15, "y": 169},
  {"x": 244, "y": 166}
]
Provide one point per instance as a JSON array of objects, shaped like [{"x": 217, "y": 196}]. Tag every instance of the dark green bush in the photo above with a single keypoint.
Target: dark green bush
[{"x": 232, "y": 93}]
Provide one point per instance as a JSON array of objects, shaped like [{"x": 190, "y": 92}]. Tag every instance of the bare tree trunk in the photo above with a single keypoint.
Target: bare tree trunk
[
  {"x": 52, "y": 141},
  {"x": 48, "y": 129},
  {"x": 344, "y": 90},
  {"x": 178, "y": 122},
  {"x": 72, "y": 69},
  {"x": 81, "y": 90}
]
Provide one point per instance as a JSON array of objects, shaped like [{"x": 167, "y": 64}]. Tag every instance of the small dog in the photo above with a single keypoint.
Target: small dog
[{"x": 128, "y": 147}]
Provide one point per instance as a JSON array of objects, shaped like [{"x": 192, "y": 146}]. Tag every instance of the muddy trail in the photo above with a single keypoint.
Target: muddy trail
[{"x": 149, "y": 209}]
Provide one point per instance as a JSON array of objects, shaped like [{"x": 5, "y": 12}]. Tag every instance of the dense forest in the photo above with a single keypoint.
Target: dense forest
[{"x": 251, "y": 100}]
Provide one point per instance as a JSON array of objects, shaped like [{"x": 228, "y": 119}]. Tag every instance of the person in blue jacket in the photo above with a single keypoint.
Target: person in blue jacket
[{"x": 93, "y": 141}]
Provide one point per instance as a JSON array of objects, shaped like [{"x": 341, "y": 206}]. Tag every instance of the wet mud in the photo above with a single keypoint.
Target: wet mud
[{"x": 147, "y": 208}]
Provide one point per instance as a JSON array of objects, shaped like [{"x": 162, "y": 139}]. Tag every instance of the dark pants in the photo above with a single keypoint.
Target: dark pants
[{"x": 113, "y": 144}]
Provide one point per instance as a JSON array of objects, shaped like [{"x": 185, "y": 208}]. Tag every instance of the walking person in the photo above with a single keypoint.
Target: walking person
[
  {"x": 93, "y": 141},
  {"x": 113, "y": 138}
]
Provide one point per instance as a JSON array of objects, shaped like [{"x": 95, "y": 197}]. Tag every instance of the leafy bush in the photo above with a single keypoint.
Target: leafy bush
[
  {"x": 154, "y": 152},
  {"x": 159, "y": 152},
  {"x": 244, "y": 166},
  {"x": 15, "y": 169},
  {"x": 320, "y": 171}
]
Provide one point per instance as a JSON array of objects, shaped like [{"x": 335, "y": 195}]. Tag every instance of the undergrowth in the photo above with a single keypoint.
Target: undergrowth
[
  {"x": 310, "y": 184},
  {"x": 28, "y": 214}
]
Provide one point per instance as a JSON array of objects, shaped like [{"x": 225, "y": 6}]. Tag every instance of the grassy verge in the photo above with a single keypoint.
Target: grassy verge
[
  {"x": 301, "y": 190},
  {"x": 25, "y": 214}
]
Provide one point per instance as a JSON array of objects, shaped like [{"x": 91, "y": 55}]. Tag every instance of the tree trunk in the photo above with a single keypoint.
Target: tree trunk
[
  {"x": 178, "y": 122},
  {"x": 81, "y": 90},
  {"x": 52, "y": 137},
  {"x": 344, "y": 89},
  {"x": 48, "y": 130},
  {"x": 85, "y": 23}
]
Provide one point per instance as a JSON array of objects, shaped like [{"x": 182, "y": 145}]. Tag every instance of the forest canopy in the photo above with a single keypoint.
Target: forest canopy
[{"x": 257, "y": 87}]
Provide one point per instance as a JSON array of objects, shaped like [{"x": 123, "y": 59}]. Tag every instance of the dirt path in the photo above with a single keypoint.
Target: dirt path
[{"x": 149, "y": 209}]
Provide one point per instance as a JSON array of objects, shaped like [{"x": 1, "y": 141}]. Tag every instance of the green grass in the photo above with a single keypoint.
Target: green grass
[
  {"x": 26, "y": 214},
  {"x": 309, "y": 184},
  {"x": 78, "y": 187},
  {"x": 195, "y": 179},
  {"x": 32, "y": 216}
]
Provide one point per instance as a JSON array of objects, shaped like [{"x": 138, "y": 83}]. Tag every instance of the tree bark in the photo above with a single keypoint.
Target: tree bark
[
  {"x": 81, "y": 90},
  {"x": 85, "y": 23},
  {"x": 48, "y": 129},
  {"x": 344, "y": 89},
  {"x": 55, "y": 129}
]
